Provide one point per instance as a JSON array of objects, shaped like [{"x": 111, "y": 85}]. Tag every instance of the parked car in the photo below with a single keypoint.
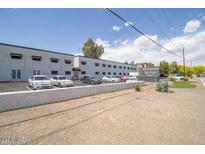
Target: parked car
[
  {"x": 178, "y": 76},
  {"x": 39, "y": 82},
  {"x": 90, "y": 80},
  {"x": 61, "y": 81},
  {"x": 131, "y": 77},
  {"x": 122, "y": 78},
  {"x": 110, "y": 78}
]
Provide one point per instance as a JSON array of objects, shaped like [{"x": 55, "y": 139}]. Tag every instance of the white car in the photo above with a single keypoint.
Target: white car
[
  {"x": 110, "y": 78},
  {"x": 61, "y": 81},
  {"x": 39, "y": 82},
  {"x": 131, "y": 77}
]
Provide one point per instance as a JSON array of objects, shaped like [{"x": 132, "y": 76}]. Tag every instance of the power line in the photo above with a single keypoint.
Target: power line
[
  {"x": 158, "y": 26},
  {"x": 139, "y": 31}
]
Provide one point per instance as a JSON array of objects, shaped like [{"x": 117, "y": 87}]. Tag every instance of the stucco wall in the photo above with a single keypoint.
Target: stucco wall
[{"x": 17, "y": 100}]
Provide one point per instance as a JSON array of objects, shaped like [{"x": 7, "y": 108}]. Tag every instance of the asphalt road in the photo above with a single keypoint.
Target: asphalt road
[{"x": 123, "y": 117}]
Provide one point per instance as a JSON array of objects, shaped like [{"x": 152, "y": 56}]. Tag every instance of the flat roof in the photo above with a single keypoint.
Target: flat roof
[
  {"x": 5, "y": 44},
  {"x": 106, "y": 60}
]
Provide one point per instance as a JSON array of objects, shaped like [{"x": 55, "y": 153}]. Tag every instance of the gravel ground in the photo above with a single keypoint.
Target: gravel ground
[{"x": 123, "y": 117}]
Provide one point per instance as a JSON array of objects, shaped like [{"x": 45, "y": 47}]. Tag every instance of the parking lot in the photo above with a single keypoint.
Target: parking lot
[
  {"x": 24, "y": 86},
  {"x": 123, "y": 117}
]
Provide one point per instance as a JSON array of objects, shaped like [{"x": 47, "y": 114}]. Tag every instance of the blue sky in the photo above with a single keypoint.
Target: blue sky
[{"x": 65, "y": 30}]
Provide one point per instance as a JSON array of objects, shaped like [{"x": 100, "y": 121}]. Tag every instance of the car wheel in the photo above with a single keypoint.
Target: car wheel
[{"x": 60, "y": 85}]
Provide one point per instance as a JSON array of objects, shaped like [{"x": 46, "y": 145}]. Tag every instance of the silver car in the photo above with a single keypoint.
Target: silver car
[{"x": 61, "y": 81}]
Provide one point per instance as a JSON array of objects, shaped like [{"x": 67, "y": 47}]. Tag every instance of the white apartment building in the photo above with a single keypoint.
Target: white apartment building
[
  {"x": 99, "y": 67},
  {"x": 18, "y": 63}
]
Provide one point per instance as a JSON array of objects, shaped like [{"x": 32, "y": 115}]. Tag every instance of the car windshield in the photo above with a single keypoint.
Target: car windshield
[
  {"x": 62, "y": 78},
  {"x": 40, "y": 78}
]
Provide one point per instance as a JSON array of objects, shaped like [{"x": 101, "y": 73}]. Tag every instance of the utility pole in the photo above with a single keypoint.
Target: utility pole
[{"x": 184, "y": 62}]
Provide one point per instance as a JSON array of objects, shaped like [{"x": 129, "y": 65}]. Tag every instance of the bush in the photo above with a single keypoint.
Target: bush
[
  {"x": 172, "y": 79},
  {"x": 162, "y": 85},
  {"x": 137, "y": 88},
  {"x": 184, "y": 79}
]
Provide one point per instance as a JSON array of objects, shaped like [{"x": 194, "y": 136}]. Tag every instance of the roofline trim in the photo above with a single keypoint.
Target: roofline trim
[
  {"x": 50, "y": 51},
  {"x": 105, "y": 60}
]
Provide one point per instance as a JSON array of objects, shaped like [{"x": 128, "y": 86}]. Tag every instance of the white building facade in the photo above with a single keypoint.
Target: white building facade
[
  {"x": 99, "y": 67},
  {"x": 18, "y": 63}
]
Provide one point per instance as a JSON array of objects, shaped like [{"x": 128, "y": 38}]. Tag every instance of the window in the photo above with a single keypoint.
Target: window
[
  {"x": 67, "y": 61},
  {"x": 124, "y": 67},
  {"x": 134, "y": 68},
  {"x": 36, "y": 72},
  {"x": 120, "y": 73},
  {"x": 36, "y": 58},
  {"x": 54, "y": 60},
  {"x": 96, "y": 73},
  {"x": 127, "y": 73},
  {"x": 16, "y": 55},
  {"x": 109, "y": 73},
  {"x": 18, "y": 74},
  {"x": 114, "y": 73},
  {"x": 128, "y": 68},
  {"x": 114, "y": 66},
  {"x": 67, "y": 72},
  {"x": 13, "y": 74},
  {"x": 103, "y": 73},
  {"x": 109, "y": 66},
  {"x": 131, "y": 68},
  {"x": 120, "y": 67},
  {"x": 97, "y": 64},
  {"x": 124, "y": 73},
  {"x": 83, "y": 72},
  {"x": 83, "y": 62},
  {"x": 54, "y": 72},
  {"x": 103, "y": 65}
]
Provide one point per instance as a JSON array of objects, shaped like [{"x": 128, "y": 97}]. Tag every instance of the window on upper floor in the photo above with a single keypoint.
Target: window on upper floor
[
  {"x": 83, "y": 62},
  {"x": 120, "y": 67},
  {"x": 83, "y": 72},
  {"x": 103, "y": 73},
  {"x": 97, "y": 64},
  {"x": 114, "y": 66},
  {"x": 68, "y": 61},
  {"x": 103, "y": 65},
  {"x": 109, "y": 66},
  {"x": 96, "y": 73},
  {"x": 54, "y": 60},
  {"x": 36, "y": 58},
  {"x": 16, "y": 55}
]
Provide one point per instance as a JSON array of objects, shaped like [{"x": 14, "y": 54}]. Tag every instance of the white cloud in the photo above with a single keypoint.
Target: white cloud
[
  {"x": 102, "y": 42},
  {"x": 124, "y": 42},
  {"x": 192, "y": 26},
  {"x": 126, "y": 23},
  {"x": 116, "y": 28},
  {"x": 203, "y": 18},
  {"x": 143, "y": 50}
]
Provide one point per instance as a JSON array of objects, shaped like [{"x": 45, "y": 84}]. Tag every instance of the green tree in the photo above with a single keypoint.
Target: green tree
[
  {"x": 92, "y": 50},
  {"x": 164, "y": 67},
  {"x": 132, "y": 63},
  {"x": 174, "y": 68},
  {"x": 199, "y": 69}
]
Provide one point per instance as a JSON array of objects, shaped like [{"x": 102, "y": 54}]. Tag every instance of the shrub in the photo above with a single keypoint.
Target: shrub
[
  {"x": 162, "y": 85},
  {"x": 184, "y": 79},
  {"x": 172, "y": 79},
  {"x": 137, "y": 88}
]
